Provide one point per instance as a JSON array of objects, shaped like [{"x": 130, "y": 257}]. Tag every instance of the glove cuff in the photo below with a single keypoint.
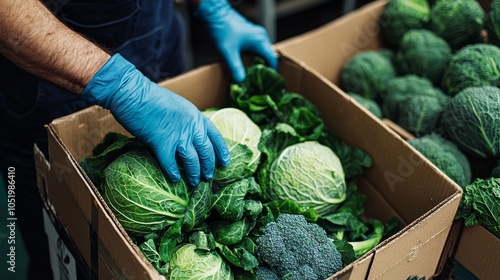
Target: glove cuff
[
  {"x": 212, "y": 9},
  {"x": 108, "y": 81}
]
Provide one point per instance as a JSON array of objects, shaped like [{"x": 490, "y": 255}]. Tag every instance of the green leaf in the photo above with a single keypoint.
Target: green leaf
[
  {"x": 169, "y": 240},
  {"x": 199, "y": 205},
  {"x": 112, "y": 146},
  {"x": 148, "y": 249},
  {"x": 203, "y": 241},
  {"x": 230, "y": 233},
  {"x": 354, "y": 160},
  {"x": 229, "y": 201},
  {"x": 480, "y": 204}
]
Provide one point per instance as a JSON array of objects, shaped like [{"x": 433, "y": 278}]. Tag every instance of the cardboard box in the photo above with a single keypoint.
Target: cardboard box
[
  {"x": 471, "y": 253},
  {"x": 400, "y": 183}
]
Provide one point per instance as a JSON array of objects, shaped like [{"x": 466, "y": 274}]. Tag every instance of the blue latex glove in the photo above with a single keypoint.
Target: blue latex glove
[
  {"x": 232, "y": 34},
  {"x": 166, "y": 121}
]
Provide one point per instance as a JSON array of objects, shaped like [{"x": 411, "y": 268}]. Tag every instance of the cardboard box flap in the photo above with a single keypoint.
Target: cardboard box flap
[
  {"x": 421, "y": 236},
  {"x": 363, "y": 22},
  {"x": 479, "y": 251},
  {"x": 78, "y": 137}
]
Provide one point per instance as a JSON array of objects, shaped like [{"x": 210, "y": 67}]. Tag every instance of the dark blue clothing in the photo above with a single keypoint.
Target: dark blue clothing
[{"x": 148, "y": 33}]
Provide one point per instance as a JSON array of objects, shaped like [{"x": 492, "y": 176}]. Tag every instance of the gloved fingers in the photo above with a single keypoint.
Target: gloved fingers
[
  {"x": 220, "y": 147},
  {"x": 233, "y": 60},
  {"x": 189, "y": 157},
  {"x": 206, "y": 154},
  {"x": 166, "y": 158},
  {"x": 261, "y": 46}
]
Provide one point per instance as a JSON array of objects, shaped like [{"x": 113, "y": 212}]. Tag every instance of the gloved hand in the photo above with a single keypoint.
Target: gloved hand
[
  {"x": 232, "y": 33},
  {"x": 166, "y": 121}
]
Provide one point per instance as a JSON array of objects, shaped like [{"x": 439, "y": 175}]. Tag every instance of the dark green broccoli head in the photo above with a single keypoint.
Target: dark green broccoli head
[
  {"x": 422, "y": 114},
  {"x": 472, "y": 121},
  {"x": 492, "y": 23},
  {"x": 473, "y": 65},
  {"x": 400, "y": 88},
  {"x": 367, "y": 73},
  {"x": 480, "y": 204},
  {"x": 423, "y": 53},
  {"x": 459, "y": 22},
  {"x": 399, "y": 16},
  {"x": 294, "y": 248},
  {"x": 445, "y": 156},
  {"x": 369, "y": 104}
]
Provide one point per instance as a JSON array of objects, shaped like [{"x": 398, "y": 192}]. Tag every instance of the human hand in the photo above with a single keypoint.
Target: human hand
[
  {"x": 232, "y": 34},
  {"x": 166, "y": 121}
]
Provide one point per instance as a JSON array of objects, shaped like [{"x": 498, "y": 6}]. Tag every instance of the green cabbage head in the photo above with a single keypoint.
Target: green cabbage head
[
  {"x": 310, "y": 174},
  {"x": 242, "y": 137},
  {"x": 190, "y": 263},
  {"x": 472, "y": 121},
  {"x": 140, "y": 196},
  {"x": 472, "y": 66},
  {"x": 399, "y": 16}
]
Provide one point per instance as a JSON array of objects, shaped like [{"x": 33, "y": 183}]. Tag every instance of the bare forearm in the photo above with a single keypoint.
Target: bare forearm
[{"x": 38, "y": 42}]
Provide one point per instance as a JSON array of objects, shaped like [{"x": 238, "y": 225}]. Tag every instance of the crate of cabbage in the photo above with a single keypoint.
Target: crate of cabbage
[{"x": 316, "y": 189}]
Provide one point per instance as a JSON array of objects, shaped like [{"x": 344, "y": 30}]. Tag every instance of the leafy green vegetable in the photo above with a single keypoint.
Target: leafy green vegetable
[
  {"x": 414, "y": 103},
  {"x": 367, "y": 73},
  {"x": 189, "y": 263},
  {"x": 446, "y": 156},
  {"x": 459, "y": 22},
  {"x": 242, "y": 137},
  {"x": 421, "y": 115},
  {"x": 472, "y": 66},
  {"x": 492, "y": 22},
  {"x": 112, "y": 146},
  {"x": 400, "y": 88},
  {"x": 480, "y": 204},
  {"x": 423, "y": 53},
  {"x": 369, "y": 104},
  {"x": 259, "y": 93},
  {"x": 292, "y": 248},
  {"x": 140, "y": 196},
  {"x": 472, "y": 120},
  {"x": 309, "y": 173},
  {"x": 399, "y": 16}
]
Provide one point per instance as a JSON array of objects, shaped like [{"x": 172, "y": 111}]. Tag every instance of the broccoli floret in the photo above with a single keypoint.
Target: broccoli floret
[
  {"x": 367, "y": 73},
  {"x": 369, "y": 104},
  {"x": 445, "y": 156},
  {"x": 491, "y": 23},
  {"x": 423, "y": 53},
  {"x": 399, "y": 16},
  {"x": 264, "y": 273},
  {"x": 473, "y": 65},
  {"x": 459, "y": 22},
  {"x": 297, "y": 249}
]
